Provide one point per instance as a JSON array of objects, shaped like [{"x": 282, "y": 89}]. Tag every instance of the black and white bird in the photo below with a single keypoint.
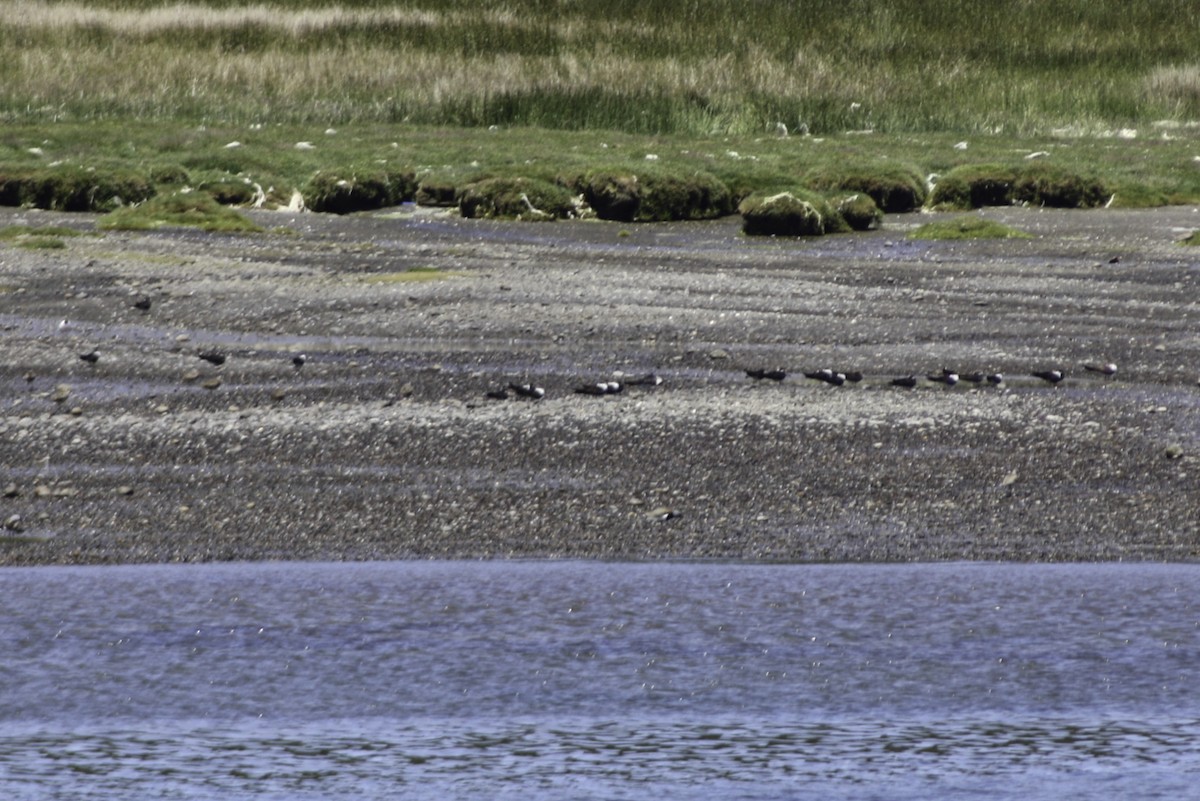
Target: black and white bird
[
  {"x": 947, "y": 377},
  {"x": 91, "y": 357},
  {"x": 600, "y": 388},
  {"x": 1108, "y": 369},
  {"x": 298, "y": 360},
  {"x": 853, "y": 376},
  {"x": 527, "y": 391},
  {"x": 995, "y": 379},
  {"x": 497, "y": 394},
  {"x": 214, "y": 357},
  {"x": 1051, "y": 376},
  {"x": 908, "y": 381},
  {"x": 828, "y": 376},
  {"x": 647, "y": 380},
  {"x": 974, "y": 377},
  {"x": 772, "y": 374}
]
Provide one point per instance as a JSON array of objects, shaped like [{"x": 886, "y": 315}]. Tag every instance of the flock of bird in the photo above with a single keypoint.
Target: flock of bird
[{"x": 826, "y": 375}]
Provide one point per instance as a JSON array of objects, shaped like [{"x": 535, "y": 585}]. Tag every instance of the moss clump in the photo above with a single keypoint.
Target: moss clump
[
  {"x": 655, "y": 195},
  {"x": 973, "y": 186},
  {"x": 1192, "y": 240},
  {"x": 347, "y": 191},
  {"x": 22, "y": 231},
  {"x": 439, "y": 190},
  {"x": 794, "y": 213},
  {"x": 170, "y": 175},
  {"x": 860, "y": 212},
  {"x": 1050, "y": 185},
  {"x": 515, "y": 199},
  {"x": 187, "y": 209},
  {"x": 895, "y": 190},
  {"x": 70, "y": 188},
  {"x": 967, "y": 227},
  {"x": 229, "y": 192}
]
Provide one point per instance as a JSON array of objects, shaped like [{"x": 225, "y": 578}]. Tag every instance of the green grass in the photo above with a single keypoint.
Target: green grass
[
  {"x": 191, "y": 210},
  {"x": 715, "y": 67},
  {"x": 967, "y": 227},
  {"x": 21, "y": 231}
]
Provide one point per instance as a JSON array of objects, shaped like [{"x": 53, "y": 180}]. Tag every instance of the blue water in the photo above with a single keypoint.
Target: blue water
[{"x": 536, "y": 680}]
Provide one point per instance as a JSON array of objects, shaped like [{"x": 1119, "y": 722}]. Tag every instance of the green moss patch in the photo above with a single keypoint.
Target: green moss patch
[
  {"x": 967, "y": 227},
  {"x": 350, "y": 190},
  {"x": 187, "y": 209},
  {"x": 654, "y": 195},
  {"x": 516, "y": 199},
  {"x": 1050, "y": 185},
  {"x": 70, "y": 188},
  {"x": 859, "y": 211},
  {"x": 974, "y": 186},
  {"x": 1191, "y": 241},
  {"x": 895, "y": 190},
  {"x": 793, "y": 213}
]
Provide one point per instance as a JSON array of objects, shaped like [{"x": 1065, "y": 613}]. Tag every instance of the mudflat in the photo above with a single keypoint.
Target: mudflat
[{"x": 384, "y": 443}]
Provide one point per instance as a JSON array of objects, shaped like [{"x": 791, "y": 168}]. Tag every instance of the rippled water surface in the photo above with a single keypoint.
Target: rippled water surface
[{"x": 448, "y": 680}]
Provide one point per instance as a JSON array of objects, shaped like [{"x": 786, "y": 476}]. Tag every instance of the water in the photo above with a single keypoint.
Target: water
[{"x": 451, "y": 680}]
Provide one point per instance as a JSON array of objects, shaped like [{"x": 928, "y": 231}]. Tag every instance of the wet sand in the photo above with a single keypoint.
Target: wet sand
[{"x": 383, "y": 444}]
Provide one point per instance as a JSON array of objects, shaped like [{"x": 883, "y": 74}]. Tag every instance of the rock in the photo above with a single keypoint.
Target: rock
[
  {"x": 124, "y": 489},
  {"x": 61, "y": 393},
  {"x": 190, "y": 375},
  {"x": 211, "y": 383},
  {"x": 1173, "y": 451},
  {"x": 11, "y": 491},
  {"x": 278, "y": 394},
  {"x": 13, "y": 523},
  {"x": 718, "y": 353},
  {"x": 42, "y": 491}
]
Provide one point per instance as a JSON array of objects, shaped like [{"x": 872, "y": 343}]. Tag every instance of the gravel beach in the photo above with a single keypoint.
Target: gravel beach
[{"x": 383, "y": 444}]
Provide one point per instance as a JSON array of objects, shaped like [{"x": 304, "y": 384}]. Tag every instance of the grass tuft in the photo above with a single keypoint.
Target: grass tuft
[
  {"x": 516, "y": 199},
  {"x": 185, "y": 209},
  {"x": 968, "y": 227}
]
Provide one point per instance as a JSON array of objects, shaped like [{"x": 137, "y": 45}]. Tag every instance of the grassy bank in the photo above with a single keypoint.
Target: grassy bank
[{"x": 1010, "y": 67}]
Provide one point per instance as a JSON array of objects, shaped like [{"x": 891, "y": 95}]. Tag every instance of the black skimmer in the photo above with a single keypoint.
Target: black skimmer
[
  {"x": 947, "y": 377},
  {"x": 600, "y": 388},
  {"x": 648, "y": 380},
  {"x": 974, "y": 378},
  {"x": 828, "y": 376},
  {"x": 497, "y": 394},
  {"x": 528, "y": 391},
  {"x": 774, "y": 374},
  {"x": 1052, "y": 376},
  {"x": 215, "y": 357},
  {"x": 853, "y": 376},
  {"x": 91, "y": 357},
  {"x": 1108, "y": 370},
  {"x": 908, "y": 381},
  {"x": 298, "y": 360},
  {"x": 995, "y": 379},
  {"x": 142, "y": 303}
]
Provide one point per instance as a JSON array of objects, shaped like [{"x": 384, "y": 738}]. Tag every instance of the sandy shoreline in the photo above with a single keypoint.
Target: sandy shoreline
[{"x": 383, "y": 444}]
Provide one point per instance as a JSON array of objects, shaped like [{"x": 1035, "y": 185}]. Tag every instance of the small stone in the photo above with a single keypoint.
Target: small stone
[
  {"x": 211, "y": 383},
  {"x": 61, "y": 393},
  {"x": 11, "y": 491},
  {"x": 191, "y": 375},
  {"x": 13, "y": 523},
  {"x": 278, "y": 394},
  {"x": 407, "y": 390},
  {"x": 42, "y": 491},
  {"x": 1174, "y": 451},
  {"x": 718, "y": 353},
  {"x": 76, "y": 411},
  {"x": 124, "y": 489},
  {"x": 162, "y": 408}
]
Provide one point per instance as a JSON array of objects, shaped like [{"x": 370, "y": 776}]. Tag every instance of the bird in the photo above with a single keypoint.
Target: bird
[
  {"x": 1052, "y": 376},
  {"x": 497, "y": 394},
  {"x": 908, "y": 382},
  {"x": 142, "y": 302},
  {"x": 947, "y": 377},
  {"x": 215, "y": 357},
  {"x": 600, "y": 388},
  {"x": 91, "y": 357},
  {"x": 648, "y": 380},
  {"x": 995, "y": 379},
  {"x": 975, "y": 377},
  {"x": 828, "y": 376},
  {"x": 774, "y": 373},
  {"x": 527, "y": 391},
  {"x": 853, "y": 376},
  {"x": 298, "y": 360},
  {"x": 1108, "y": 369}
]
